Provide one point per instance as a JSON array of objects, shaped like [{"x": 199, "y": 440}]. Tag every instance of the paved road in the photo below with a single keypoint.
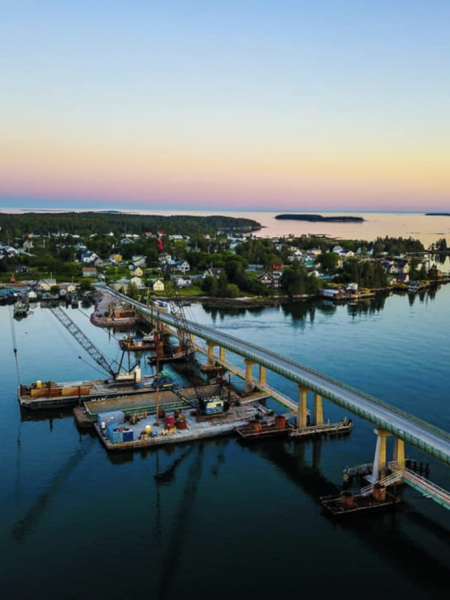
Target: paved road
[{"x": 412, "y": 430}]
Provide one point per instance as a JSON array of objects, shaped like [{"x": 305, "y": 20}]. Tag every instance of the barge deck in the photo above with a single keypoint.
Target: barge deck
[
  {"x": 149, "y": 433},
  {"x": 49, "y": 394}
]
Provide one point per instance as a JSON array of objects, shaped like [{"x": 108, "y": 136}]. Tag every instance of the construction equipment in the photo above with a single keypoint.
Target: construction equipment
[
  {"x": 133, "y": 373},
  {"x": 210, "y": 406}
]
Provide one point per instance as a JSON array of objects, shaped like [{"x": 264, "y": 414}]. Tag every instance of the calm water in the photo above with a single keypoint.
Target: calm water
[
  {"x": 218, "y": 518},
  {"x": 427, "y": 229}
]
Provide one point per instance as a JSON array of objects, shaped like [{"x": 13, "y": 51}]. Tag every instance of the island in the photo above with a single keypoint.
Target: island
[
  {"x": 320, "y": 218},
  {"x": 437, "y": 214}
]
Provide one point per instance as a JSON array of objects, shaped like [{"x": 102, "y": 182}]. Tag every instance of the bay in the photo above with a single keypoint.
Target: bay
[
  {"x": 224, "y": 518},
  {"x": 427, "y": 229}
]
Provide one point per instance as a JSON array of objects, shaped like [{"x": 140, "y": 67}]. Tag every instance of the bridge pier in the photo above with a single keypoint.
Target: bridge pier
[
  {"x": 248, "y": 375},
  {"x": 262, "y": 374},
  {"x": 399, "y": 452},
  {"x": 318, "y": 410},
  {"x": 210, "y": 362},
  {"x": 302, "y": 420},
  {"x": 379, "y": 463}
]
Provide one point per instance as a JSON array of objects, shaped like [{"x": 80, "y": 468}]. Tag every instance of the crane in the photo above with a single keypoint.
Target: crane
[
  {"x": 210, "y": 406},
  {"x": 90, "y": 348}
]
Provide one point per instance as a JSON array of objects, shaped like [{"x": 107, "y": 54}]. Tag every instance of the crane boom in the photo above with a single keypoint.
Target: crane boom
[{"x": 92, "y": 350}]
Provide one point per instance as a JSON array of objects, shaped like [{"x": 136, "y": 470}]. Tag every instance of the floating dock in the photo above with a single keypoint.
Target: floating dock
[
  {"x": 349, "y": 504},
  {"x": 264, "y": 428}
]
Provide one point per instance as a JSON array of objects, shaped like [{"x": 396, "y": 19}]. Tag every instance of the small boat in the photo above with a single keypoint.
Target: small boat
[
  {"x": 20, "y": 308},
  {"x": 137, "y": 343}
]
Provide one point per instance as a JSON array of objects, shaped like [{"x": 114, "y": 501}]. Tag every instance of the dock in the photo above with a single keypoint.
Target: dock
[
  {"x": 349, "y": 504},
  {"x": 325, "y": 430}
]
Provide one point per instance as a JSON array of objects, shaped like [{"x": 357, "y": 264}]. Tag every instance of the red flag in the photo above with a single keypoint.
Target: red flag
[{"x": 160, "y": 244}]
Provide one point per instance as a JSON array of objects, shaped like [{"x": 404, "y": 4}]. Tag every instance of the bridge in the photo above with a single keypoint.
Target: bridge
[{"x": 387, "y": 419}]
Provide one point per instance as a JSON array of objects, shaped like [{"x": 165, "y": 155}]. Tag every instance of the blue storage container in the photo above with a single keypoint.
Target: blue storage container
[
  {"x": 114, "y": 436},
  {"x": 128, "y": 435},
  {"x": 116, "y": 417}
]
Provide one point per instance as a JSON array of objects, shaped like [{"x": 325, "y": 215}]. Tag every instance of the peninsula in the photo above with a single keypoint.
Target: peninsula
[{"x": 320, "y": 218}]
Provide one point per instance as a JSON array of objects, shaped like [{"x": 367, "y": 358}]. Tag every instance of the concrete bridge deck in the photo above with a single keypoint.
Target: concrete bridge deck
[{"x": 403, "y": 426}]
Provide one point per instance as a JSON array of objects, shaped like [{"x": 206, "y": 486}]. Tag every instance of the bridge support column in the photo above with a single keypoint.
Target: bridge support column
[
  {"x": 302, "y": 408},
  {"x": 248, "y": 375},
  {"x": 318, "y": 410},
  {"x": 262, "y": 374},
  {"x": 379, "y": 463},
  {"x": 399, "y": 452},
  {"x": 222, "y": 353},
  {"x": 210, "y": 354}
]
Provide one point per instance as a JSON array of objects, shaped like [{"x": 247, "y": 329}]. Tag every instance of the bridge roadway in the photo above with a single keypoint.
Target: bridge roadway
[{"x": 414, "y": 431}]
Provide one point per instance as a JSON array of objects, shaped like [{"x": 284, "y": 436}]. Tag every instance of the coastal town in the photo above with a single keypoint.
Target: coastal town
[{"x": 214, "y": 264}]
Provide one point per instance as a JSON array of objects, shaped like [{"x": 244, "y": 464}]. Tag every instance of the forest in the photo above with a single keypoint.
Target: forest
[{"x": 88, "y": 223}]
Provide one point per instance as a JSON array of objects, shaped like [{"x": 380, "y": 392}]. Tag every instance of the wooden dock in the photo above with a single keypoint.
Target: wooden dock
[{"x": 325, "y": 430}]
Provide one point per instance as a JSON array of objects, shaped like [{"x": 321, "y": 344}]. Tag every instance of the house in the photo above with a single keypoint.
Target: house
[
  {"x": 137, "y": 281},
  {"x": 115, "y": 258},
  {"x": 67, "y": 288},
  {"x": 136, "y": 271},
  {"x": 276, "y": 266},
  {"x": 23, "y": 269},
  {"x": 164, "y": 258},
  {"x": 212, "y": 272},
  {"x": 183, "y": 266},
  {"x": 44, "y": 285},
  {"x": 89, "y": 271},
  {"x": 266, "y": 279},
  {"x": 183, "y": 282},
  {"x": 90, "y": 258},
  {"x": 271, "y": 279},
  {"x": 28, "y": 244},
  {"x": 139, "y": 261},
  {"x": 158, "y": 286}
]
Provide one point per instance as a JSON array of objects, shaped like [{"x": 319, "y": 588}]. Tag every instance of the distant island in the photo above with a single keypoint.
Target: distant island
[
  {"x": 320, "y": 218},
  {"x": 437, "y": 214}
]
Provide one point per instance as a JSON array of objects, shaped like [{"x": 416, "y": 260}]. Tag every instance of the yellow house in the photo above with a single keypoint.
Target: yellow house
[
  {"x": 137, "y": 271},
  {"x": 117, "y": 257},
  {"x": 158, "y": 286}
]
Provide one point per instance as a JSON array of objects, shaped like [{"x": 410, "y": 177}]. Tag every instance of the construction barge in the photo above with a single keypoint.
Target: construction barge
[
  {"x": 50, "y": 394},
  {"x": 138, "y": 406},
  {"x": 171, "y": 428}
]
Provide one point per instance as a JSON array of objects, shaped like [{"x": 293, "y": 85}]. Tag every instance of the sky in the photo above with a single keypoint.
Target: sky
[{"x": 225, "y": 104}]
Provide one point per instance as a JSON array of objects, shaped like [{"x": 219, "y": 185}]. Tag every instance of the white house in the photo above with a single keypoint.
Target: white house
[
  {"x": 183, "y": 281},
  {"x": 183, "y": 266},
  {"x": 137, "y": 282}
]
